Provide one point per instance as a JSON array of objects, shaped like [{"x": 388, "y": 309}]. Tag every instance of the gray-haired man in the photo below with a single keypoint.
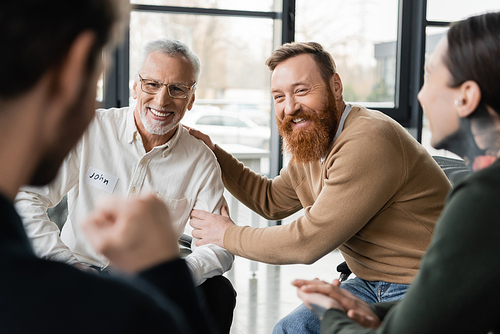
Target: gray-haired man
[{"x": 134, "y": 149}]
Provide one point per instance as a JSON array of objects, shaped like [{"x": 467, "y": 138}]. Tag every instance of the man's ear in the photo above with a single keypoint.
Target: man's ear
[
  {"x": 135, "y": 88},
  {"x": 190, "y": 104},
  {"x": 73, "y": 71},
  {"x": 336, "y": 85},
  {"x": 470, "y": 97}
]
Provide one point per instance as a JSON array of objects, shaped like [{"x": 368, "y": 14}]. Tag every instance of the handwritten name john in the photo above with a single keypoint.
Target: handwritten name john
[{"x": 98, "y": 177}]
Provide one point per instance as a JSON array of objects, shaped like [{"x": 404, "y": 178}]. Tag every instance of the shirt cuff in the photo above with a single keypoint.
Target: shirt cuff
[{"x": 195, "y": 271}]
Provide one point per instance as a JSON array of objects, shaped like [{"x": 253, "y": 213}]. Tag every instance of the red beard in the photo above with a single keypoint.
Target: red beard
[{"x": 312, "y": 143}]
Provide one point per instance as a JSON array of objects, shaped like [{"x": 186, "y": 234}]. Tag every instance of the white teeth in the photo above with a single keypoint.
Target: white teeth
[
  {"x": 159, "y": 114},
  {"x": 298, "y": 120}
]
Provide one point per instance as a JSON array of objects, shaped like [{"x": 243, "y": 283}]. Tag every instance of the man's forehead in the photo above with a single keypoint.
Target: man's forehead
[
  {"x": 301, "y": 68},
  {"x": 160, "y": 64}
]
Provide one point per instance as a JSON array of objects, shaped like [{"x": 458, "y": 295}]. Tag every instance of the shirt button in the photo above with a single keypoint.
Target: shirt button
[
  {"x": 138, "y": 136},
  {"x": 133, "y": 190},
  {"x": 143, "y": 161}
]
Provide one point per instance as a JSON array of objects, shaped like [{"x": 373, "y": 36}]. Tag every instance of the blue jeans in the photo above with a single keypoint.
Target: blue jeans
[{"x": 301, "y": 320}]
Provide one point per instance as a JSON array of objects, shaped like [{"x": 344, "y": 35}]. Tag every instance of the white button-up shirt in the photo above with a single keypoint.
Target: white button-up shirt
[{"x": 111, "y": 159}]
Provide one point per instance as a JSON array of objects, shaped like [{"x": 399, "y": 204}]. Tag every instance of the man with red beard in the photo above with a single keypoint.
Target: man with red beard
[{"x": 366, "y": 186}]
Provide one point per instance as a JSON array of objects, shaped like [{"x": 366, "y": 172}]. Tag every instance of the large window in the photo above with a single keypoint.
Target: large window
[
  {"x": 361, "y": 35},
  {"x": 454, "y": 10},
  {"x": 379, "y": 47}
]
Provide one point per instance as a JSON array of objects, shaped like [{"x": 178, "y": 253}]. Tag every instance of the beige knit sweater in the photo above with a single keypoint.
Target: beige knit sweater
[{"x": 376, "y": 197}]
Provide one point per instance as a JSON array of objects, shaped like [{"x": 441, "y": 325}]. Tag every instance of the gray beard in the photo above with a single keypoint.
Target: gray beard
[{"x": 156, "y": 129}]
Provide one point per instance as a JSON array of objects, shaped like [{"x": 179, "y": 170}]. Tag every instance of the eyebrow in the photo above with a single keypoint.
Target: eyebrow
[
  {"x": 171, "y": 83},
  {"x": 293, "y": 85}
]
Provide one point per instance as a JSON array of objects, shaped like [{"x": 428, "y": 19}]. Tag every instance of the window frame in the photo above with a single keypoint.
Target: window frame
[{"x": 411, "y": 61}]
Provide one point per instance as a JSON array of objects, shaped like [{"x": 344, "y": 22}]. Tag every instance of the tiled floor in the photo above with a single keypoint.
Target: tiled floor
[{"x": 267, "y": 296}]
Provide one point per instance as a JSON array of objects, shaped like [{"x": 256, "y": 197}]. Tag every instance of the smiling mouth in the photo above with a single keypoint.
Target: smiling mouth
[
  {"x": 159, "y": 113},
  {"x": 298, "y": 120}
]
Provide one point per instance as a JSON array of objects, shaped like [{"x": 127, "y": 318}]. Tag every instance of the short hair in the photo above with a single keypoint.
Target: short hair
[
  {"x": 323, "y": 59},
  {"x": 36, "y": 36},
  {"x": 474, "y": 54},
  {"x": 173, "y": 48}
]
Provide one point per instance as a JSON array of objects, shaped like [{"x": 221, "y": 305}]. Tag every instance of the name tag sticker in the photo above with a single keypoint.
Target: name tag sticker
[{"x": 101, "y": 180}]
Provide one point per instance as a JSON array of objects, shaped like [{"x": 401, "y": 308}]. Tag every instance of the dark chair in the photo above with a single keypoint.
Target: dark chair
[
  {"x": 455, "y": 171},
  {"x": 217, "y": 294},
  {"x": 185, "y": 245}
]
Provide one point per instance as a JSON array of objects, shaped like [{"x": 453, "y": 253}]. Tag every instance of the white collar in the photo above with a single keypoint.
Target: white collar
[{"x": 346, "y": 112}]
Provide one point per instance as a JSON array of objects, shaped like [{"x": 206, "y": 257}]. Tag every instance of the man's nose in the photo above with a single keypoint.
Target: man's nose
[
  {"x": 291, "y": 106},
  {"x": 163, "y": 97}
]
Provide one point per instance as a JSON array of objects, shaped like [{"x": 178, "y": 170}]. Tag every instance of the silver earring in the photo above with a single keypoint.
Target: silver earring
[{"x": 459, "y": 103}]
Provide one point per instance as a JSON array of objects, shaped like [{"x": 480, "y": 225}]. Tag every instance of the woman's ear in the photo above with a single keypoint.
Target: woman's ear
[{"x": 470, "y": 97}]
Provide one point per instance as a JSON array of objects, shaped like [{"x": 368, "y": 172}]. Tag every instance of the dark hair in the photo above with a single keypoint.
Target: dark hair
[
  {"x": 323, "y": 59},
  {"x": 474, "y": 54},
  {"x": 36, "y": 35}
]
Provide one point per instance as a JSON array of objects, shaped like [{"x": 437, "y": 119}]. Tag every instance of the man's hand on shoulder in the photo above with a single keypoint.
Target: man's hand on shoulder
[
  {"x": 209, "y": 228},
  {"x": 200, "y": 135},
  {"x": 132, "y": 232}
]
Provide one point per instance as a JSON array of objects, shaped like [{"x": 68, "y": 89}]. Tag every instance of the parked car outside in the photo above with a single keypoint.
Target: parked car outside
[{"x": 227, "y": 127}]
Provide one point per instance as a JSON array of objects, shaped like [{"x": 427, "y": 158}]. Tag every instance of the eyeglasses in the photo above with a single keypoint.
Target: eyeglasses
[{"x": 177, "y": 91}]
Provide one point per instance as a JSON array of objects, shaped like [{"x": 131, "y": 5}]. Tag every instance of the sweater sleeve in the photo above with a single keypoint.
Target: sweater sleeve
[
  {"x": 363, "y": 172},
  {"x": 457, "y": 288},
  {"x": 272, "y": 199}
]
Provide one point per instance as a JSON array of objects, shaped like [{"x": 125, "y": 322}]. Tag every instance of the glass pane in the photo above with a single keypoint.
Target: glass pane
[
  {"x": 234, "y": 81},
  {"x": 231, "y": 121},
  {"x": 254, "y": 5},
  {"x": 453, "y": 10},
  {"x": 209, "y": 120},
  {"x": 434, "y": 35},
  {"x": 361, "y": 38}
]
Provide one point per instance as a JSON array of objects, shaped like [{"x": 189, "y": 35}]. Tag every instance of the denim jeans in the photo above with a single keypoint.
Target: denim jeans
[{"x": 301, "y": 320}]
